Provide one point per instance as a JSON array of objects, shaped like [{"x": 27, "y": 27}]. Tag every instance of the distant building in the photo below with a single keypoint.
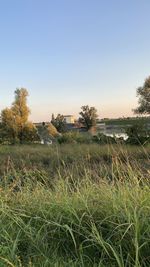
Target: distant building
[{"x": 69, "y": 119}]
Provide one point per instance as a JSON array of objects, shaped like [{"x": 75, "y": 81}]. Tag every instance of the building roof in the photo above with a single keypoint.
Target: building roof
[{"x": 68, "y": 115}]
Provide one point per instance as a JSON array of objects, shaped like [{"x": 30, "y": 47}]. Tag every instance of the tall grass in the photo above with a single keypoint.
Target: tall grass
[{"x": 86, "y": 206}]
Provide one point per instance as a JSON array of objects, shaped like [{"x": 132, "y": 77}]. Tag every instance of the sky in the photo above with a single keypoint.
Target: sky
[{"x": 70, "y": 53}]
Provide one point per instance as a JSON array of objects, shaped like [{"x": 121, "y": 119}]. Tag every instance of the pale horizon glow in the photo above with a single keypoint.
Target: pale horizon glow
[
  {"x": 115, "y": 112},
  {"x": 74, "y": 53}
]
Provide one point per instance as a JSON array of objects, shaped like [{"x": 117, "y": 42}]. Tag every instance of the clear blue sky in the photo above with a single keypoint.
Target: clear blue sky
[{"x": 69, "y": 53}]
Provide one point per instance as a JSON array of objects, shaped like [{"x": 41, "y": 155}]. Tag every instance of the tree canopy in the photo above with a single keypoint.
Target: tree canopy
[
  {"x": 143, "y": 93},
  {"x": 88, "y": 116},
  {"x": 59, "y": 123},
  {"x": 15, "y": 124}
]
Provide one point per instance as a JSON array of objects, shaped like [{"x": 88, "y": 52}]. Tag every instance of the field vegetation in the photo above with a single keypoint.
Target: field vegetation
[
  {"x": 123, "y": 122},
  {"x": 75, "y": 205},
  {"x": 83, "y": 201}
]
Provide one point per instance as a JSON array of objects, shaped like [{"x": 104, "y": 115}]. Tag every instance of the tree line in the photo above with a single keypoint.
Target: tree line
[{"x": 15, "y": 126}]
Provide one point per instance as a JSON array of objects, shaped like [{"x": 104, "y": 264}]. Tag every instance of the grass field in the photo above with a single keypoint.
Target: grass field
[
  {"x": 74, "y": 206},
  {"x": 127, "y": 121}
]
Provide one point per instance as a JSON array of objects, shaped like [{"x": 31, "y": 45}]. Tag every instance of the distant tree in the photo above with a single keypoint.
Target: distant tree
[
  {"x": 52, "y": 130},
  {"x": 88, "y": 116},
  {"x": 59, "y": 123},
  {"x": 8, "y": 127},
  {"x": 143, "y": 93},
  {"x": 30, "y": 133},
  {"x": 15, "y": 124}
]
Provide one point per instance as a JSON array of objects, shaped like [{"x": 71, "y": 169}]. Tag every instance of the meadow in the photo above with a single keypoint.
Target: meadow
[
  {"x": 123, "y": 122},
  {"x": 75, "y": 205}
]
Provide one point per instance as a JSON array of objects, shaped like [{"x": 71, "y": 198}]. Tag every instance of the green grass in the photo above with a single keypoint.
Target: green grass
[
  {"x": 127, "y": 121},
  {"x": 75, "y": 206}
]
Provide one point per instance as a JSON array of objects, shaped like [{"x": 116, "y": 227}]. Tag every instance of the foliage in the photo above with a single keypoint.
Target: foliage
[
  {"x": 15, "y": 125},
  {"x": 144, "y": 98},
  {"x": 30, "y": 133},
  {"x": 138, "y": 134},
  {"x": 88, "y": 116},
  {"x": 20, "y": 108},
  {"x": 67, "y": 158},
  {"x": 52, "y": 130},
  {"x": 47, "y": 133},
  {"x": 75, "y": 137},
  {"x": 59, "y": 123},
  {"x": 95, "y": 213},
  {"x": 124, "y": 122},
  {"x": 9, "y": 130},
  {"x": 103, "y": 139}
]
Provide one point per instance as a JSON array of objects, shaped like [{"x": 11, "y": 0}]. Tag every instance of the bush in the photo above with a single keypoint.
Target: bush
[
  {"x": 103, "y": 139},
  {"x": 75, "y": 137},
  {"x": 138, "y": 134},
  {"x": 87, "y": 138}
]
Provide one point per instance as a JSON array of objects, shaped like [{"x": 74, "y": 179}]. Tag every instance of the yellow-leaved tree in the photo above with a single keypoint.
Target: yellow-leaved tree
[{"x": 15, "y": 124}]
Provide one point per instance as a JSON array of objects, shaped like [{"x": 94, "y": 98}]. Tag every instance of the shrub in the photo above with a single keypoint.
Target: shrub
[
  {"x": 138, "y": 134},
  {"x": 75, "y": 137},
  {"x": 103, "y": 139}
]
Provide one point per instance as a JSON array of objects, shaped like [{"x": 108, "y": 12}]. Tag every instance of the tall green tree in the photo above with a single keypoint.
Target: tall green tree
[
  {"x": 143, "y": 93},
  {"x": 15, "y": 124},
  {"x": 21, "y": 111},
  {"x": 8, "y": 127},
  {"x": 59, "y": 123},
  {"x": 88, "y": 116}
]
